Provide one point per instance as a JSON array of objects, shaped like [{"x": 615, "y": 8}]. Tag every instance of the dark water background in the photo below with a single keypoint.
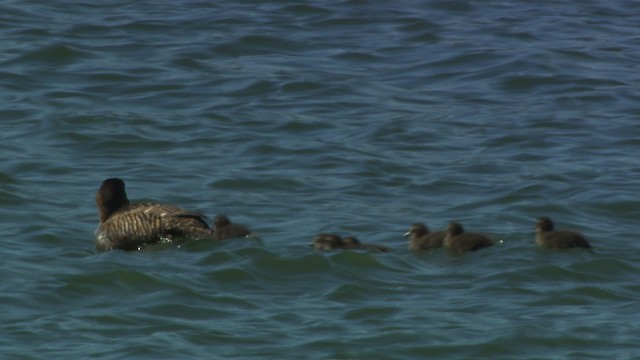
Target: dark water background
[{"x": 356, "y": 117}]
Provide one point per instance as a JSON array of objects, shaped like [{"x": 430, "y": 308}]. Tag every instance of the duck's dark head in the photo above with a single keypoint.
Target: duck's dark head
[
  {"x": 110, "y": 197},
  {"x": 220, "y": 221},
  {"x": 455, "y": 229},
  {"x": 417, "y": 229},
  {"x": 327, "y": 242},
  {"x": 351, "y": 241},
  {"x": 544, "y": 224}
]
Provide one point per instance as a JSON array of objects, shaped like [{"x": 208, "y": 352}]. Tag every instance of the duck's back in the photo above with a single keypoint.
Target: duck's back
[
  {"x": 230, "y": 231},
  {"x": 135, "y": 225},
  {"x": 428, "y": 241},
  {"x": 371, "y": 247},
  {"x": 468, "y": 242},
  {"x": 562, "y": 239}
]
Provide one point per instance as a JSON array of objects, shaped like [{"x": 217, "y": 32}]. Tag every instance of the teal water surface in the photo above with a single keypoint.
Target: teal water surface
[{"x": 354, "y": 117}]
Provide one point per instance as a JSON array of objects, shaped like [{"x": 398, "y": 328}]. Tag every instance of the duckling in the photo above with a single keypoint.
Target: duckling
[
  {"x": 421, "y": 239},
  {"x": 459, "y": 241},
  {"x": 547, "y": 236}
]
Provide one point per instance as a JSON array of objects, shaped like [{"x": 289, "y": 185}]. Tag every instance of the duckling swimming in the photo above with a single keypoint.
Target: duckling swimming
[
  {"x": 223, "y": 229},
  {"x": 421, "y": 239},
  {"x": 459, "y": 241},
  {"x": 333, "y": 241},
  {"x": 547, "y": 236}
]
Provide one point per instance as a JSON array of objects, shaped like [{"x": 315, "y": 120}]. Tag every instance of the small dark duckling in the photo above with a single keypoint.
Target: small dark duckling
[
  {"x": 327, "y": 242},
  {"x": 459, "y": 241},
  {"x": 223, "y": 229},
  {"x": 351, "y": 242},
  {"x": 421, "y": 239},
  {"x": 128, "y": 226},
  {"x": 546, "y": 236},
  {"x": 333, "y": 241}
]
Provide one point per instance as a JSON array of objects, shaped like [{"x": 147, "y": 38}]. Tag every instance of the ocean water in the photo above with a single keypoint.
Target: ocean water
[{"x": 353, "y": 117}]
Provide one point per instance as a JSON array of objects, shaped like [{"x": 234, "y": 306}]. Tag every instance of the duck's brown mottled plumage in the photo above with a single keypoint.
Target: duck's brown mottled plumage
[
  {"x": 223, "y": 229},
  {"x": 421, "y": 239},
  {"x": 333, "y": 241},
  {"x": 129, "y": 226},
  {"x": 547, "y": 236},
  {"x": 459, "y": 241}
]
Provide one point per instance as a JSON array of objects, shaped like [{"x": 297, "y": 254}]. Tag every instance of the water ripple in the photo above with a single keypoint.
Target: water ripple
[{"x": 354, "y": 117}]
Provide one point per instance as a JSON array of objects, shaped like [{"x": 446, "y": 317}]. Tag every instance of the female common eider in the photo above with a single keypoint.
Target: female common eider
[
  {"x": 459, "y": 241},
  {"x": 546, "y": 236},
  {"x": 129, "y": 226},
  {"x": 421, "y": 239}
]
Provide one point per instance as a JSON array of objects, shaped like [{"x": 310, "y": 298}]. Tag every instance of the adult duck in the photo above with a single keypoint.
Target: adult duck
[{"x": 130, "y": 226}]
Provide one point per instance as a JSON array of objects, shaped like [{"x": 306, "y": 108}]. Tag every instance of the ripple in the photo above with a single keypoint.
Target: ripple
[
  {"x": 252, "y": 45},
  {"x": 58, "y": 54},
  {"x": 354, "y": 117}
]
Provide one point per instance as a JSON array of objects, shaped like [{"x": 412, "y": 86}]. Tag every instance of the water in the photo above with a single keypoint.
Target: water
[{"x": 355, "y": 117}]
